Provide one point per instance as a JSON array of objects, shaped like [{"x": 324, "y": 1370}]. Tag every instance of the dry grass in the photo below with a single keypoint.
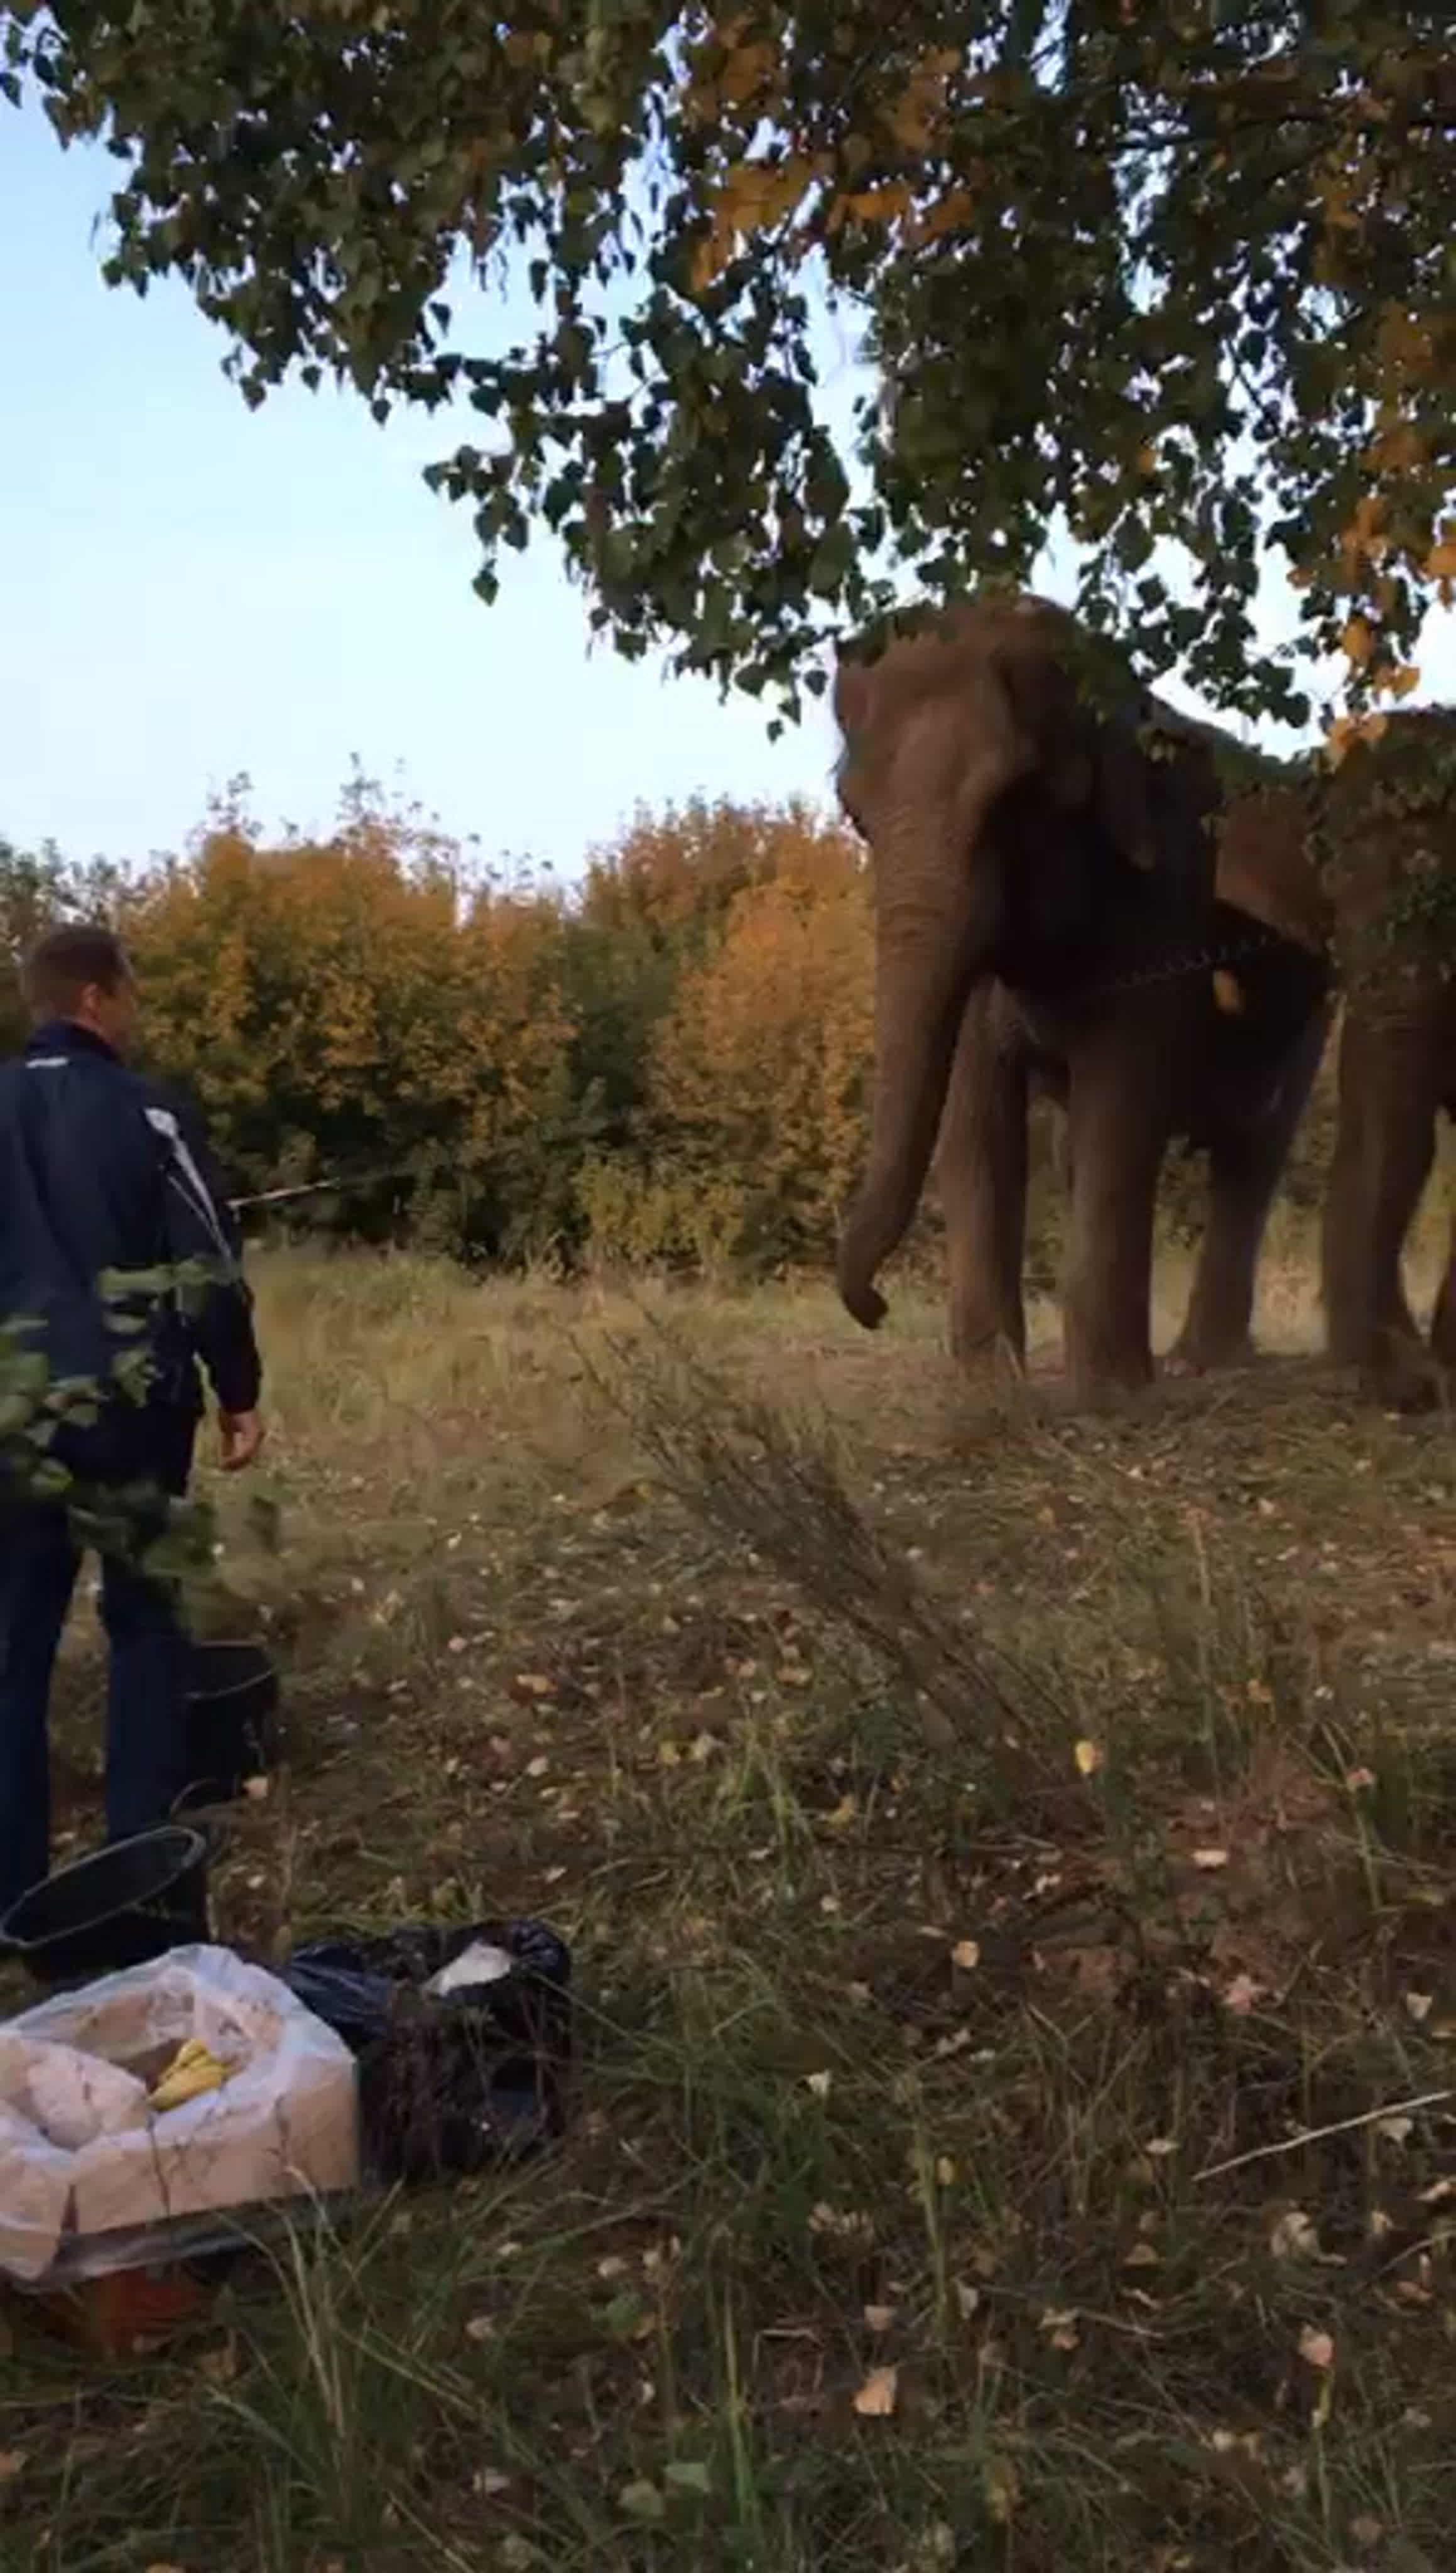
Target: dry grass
[{"x": 972, "y": 1825}]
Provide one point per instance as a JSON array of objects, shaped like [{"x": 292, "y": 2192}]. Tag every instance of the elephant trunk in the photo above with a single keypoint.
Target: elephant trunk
[{"x": 935, "y": 938}]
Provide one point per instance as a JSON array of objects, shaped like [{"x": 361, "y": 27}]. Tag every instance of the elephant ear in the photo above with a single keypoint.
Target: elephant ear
[
  {"x": 1121, "y": 798},
  {"x": 1094, "y": 762},
  {"x": 852, "y": 696}
]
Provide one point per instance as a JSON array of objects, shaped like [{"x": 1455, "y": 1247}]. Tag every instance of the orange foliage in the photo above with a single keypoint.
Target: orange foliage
[
  {"x": 760, "y": 1070},
  {"x": 351, "y": 997}
]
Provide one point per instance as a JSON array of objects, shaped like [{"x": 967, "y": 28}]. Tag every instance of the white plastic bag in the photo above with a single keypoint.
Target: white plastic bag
[{"x": 91, "y": 2179}]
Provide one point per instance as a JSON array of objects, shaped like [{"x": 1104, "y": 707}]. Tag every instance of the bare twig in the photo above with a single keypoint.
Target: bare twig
[{"x": 1317, "y": 2135}]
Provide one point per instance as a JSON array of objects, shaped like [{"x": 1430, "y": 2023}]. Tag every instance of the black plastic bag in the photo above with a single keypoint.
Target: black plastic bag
[{"x": 450, "y": 2083}]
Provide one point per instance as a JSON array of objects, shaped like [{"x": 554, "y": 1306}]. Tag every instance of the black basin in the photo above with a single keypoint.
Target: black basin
[{"x": 122, "y": 1906}]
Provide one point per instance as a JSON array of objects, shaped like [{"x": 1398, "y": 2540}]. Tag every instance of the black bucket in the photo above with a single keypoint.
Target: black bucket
[
  {"x": 233, "y": 1728},
  {"x": 120, "y": 1907}
]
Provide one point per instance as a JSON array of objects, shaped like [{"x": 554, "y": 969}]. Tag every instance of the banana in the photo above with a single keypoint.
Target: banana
[{"x": 193, "y": 2068}]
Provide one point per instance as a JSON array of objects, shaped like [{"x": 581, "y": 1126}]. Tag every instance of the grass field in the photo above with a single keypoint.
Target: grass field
[{"x": 1007, "y": 1860}]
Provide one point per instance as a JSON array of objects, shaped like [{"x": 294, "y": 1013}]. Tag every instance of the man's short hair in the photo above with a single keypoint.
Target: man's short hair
[{"x": 62, "y": 964}]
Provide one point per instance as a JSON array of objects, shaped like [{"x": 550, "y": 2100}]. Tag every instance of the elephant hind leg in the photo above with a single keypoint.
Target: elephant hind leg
[
  {"x": 1443, "y": 1319},
  {"x": 1383, "y": 1155}
]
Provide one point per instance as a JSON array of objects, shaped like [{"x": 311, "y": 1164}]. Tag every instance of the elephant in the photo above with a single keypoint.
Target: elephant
[
  {"x": 1048, "y": 913},
  {"x": 1386, "y": 815}
]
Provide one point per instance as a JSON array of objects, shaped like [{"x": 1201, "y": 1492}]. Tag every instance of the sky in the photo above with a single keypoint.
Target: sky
[{"x": 192, "y": 590}]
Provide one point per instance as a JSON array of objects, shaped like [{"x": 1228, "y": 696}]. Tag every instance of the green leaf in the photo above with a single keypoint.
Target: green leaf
[
  {"x": 688, "y": 2475},
  {"x": 642, "y": 2501}
]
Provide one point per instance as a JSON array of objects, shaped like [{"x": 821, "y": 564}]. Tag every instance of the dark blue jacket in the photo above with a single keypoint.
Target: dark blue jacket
[{"x": 101, "y": 1172}]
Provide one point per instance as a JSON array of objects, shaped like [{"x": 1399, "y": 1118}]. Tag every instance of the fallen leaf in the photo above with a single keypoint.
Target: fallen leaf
[
  {"x": 1089, "y": 1759},
  {"x": 879, "y": 2317},
  {"x": 967, "y": 1954},
  {"x": 480, "y": 2327},
  {"x": 820, "y": 2084},
  {"x": 1316, "y": 2348},
  {"x": 489, "y": 2482},
  {"x": 642, "y": 2500},
  {"x": 1210, "y": 1859},
  {"x": 1396, "y": 2130},
  {"x": 1160, "y": 2148},
  {"x": 688, "y": 2474},
  {"x": 1241, "y": 1995},
  {"x": 1294, "y": 2237},
  {"x": 1061, "y": 2329},
  {"x": 968, "y": 2298},
  {"x": 1001, "y": 2489},
  {"x": 255, "y": 1790},
  {"x": 1141, "y": 2256},
  {"x": 945, "y": 2170},
  {"x": 876, "y": 2397},
  {"x": 1419, "y": 2005}
]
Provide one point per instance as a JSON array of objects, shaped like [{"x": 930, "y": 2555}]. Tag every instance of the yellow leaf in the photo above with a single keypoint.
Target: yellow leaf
[
  {"x": 878, "y": 2395},
  {"x": 1399, "y": 681},
  {"x": 1441, "y": 561},
  {"x": 1088, "y": 1758},
  {"x": 1001, "y": 2488}
]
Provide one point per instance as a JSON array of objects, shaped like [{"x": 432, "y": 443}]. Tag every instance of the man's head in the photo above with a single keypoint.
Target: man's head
[{"x": 81, "y": 972}]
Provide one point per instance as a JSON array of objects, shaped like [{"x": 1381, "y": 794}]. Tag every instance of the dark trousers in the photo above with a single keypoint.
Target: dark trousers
[{"x": 147, "y": 1695}]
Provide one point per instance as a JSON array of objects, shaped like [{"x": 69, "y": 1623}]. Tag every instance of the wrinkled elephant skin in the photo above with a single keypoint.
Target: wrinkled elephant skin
[{"x": 1048, "y": 913}]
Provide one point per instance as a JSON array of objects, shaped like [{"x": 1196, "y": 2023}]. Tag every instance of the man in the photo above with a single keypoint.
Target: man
[{"x": 96, "y": 1175}]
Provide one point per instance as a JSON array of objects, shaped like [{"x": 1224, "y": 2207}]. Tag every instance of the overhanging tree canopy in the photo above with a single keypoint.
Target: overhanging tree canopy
[{"x": 1179, "y": 273}]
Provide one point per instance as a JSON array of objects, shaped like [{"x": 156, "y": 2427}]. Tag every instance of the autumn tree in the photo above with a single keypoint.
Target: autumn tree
[
  {"x": 759, "y": 1076},
  {"x": 355, "y": 1006},
  {"x": 1180, "y": 280}
]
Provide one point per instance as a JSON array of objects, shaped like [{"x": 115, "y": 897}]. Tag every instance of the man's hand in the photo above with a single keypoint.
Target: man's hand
[{"x": 241, "y": 1436}]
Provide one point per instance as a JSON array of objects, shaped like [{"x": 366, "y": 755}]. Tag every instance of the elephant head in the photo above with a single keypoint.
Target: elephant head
[{"x": 994, "y": 793}]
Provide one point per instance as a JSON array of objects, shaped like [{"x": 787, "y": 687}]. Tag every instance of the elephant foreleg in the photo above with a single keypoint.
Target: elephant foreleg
[
  {"x": 1116, "y": 1137},
  {"x": 981, "y": 1168}
]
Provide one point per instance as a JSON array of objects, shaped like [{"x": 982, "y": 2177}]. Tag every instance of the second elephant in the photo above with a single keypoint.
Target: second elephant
[
  {"x": 1385, "y": 902},
  {"x": 1046, "y": 912}
]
